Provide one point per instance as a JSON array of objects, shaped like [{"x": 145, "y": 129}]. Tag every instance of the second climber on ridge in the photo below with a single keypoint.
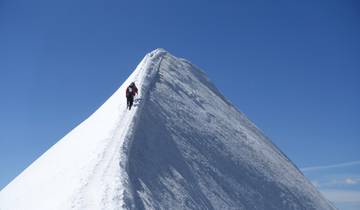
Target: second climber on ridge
[{"x": 131, "y": 91}]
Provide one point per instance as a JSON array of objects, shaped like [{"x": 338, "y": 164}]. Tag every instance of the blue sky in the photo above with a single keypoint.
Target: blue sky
[{"x": 292, "y": 67}]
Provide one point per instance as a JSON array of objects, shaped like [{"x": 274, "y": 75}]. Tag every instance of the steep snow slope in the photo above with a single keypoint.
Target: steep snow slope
[
  {"x": 184, "y": 146},
  {"x": 85, "y": 169},
  {"x": 191, "y": 149}
]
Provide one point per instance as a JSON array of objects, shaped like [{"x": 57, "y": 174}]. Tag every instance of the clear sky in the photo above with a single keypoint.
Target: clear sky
[{"x": 293, "y": 67}]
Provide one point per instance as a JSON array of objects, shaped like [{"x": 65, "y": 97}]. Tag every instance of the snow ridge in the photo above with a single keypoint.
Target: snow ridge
[
  {"x": 116, "y": 152},
  {"x": 182, "y": 146}
]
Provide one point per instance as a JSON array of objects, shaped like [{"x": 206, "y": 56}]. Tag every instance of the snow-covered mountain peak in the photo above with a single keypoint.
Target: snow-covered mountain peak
[
  {"x": 158, "y": 51},
  {"x": 182, "y": 146}
]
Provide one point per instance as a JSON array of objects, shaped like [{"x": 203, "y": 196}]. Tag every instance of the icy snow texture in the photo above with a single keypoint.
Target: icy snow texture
[{"x": 183, "y": 146}]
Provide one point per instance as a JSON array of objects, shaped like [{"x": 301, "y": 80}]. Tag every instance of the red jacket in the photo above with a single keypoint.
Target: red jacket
[{"x": 131, "y": 91}]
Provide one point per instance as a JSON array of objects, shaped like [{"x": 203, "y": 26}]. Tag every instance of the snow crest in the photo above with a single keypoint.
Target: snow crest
[{"x": 182, "y": 146}]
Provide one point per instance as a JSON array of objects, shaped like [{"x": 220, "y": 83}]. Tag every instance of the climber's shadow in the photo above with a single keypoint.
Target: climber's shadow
[{"x": 137, "y": 102}]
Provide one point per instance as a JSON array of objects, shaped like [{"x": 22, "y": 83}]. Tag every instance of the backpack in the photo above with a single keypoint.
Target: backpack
[{"x": 129, "y": 91}]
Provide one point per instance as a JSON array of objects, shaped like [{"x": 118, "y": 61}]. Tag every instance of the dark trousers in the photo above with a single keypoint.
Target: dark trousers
[{"x": 130, "y": 101}]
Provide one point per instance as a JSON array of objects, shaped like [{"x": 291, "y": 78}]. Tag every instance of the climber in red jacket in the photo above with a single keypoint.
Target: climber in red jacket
[{"x": 131, "y": 91}]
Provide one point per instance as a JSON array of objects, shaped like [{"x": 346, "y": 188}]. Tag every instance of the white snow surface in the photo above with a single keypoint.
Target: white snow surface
[{"x": 183, "y": 146}]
